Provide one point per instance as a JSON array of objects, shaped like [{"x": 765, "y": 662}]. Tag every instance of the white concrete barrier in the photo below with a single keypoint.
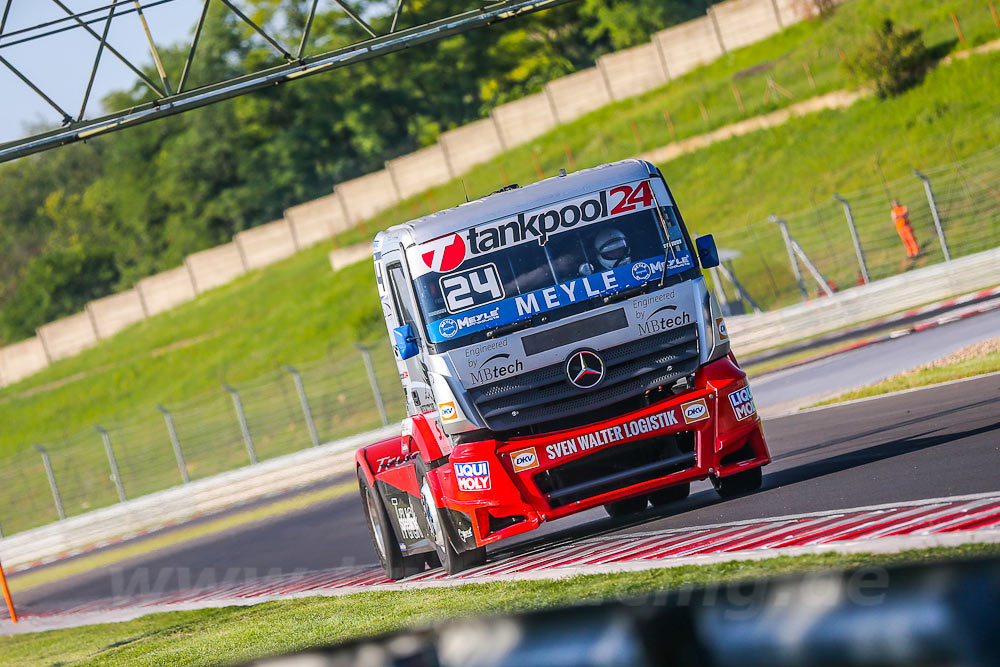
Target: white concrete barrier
[
  {"x": 113, "y": 313},
  {"x": 166, "y": 290},
  {"x": 743, "y": 22},
  {"x": 579, "y": 93},
  {"x": 342, "y": 257},
  {"x": 633, "y": 71},
  {"x": 688, "y": 45},
  {"x": 753, "y": 333},
  {"x": 180, "y": 503},
  {"x": 367, "y": 196},
  {"x": 215, "y": 267},
  {"x": 522, "y": 120},
  {"x": 471, "y": 144},
  {"x": 21, "y": 359},
  {"x": 418, "y": 171},
  {"x": 266, "y": 244},
  {"x": 68, "y": 336},
  {"x": 317, "y": 220}
]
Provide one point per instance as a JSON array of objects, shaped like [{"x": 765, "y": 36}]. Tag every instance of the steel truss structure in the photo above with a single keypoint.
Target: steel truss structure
[{"x": 171, "y": 100}]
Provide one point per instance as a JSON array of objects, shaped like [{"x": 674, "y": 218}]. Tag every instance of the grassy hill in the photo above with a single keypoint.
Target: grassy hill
[{"x": 298, "y": 312}]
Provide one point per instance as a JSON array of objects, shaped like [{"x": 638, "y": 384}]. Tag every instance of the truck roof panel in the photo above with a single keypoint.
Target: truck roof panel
[{"x": 511, "y": 202}]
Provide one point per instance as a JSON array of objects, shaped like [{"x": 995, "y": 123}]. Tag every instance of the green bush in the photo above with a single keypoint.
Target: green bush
[
  {"x": 891, "y": 59},
  {"x": 54, "y": 285}
]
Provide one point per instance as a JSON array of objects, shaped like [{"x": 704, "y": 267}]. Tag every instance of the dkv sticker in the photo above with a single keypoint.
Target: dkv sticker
[
  {"x": 447, "y": 411},
  {"x": 524, "y": 459},
  {"x": 695, "y": 411}
]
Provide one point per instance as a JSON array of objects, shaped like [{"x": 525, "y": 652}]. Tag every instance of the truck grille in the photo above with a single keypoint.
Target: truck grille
[
  {"x": 617, "y": 467},
  {"x": 631, "y": 369}
]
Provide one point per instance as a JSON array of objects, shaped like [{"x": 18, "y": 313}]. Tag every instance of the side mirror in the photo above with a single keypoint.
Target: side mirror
[
  {"x": 405, "y": 341},
  {"x": 708, "y": 253}
]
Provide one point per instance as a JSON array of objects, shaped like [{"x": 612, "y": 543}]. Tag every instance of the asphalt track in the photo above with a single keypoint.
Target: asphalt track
[
  {"x": 931, "y": 443},
  {"x": 788, "y": 390}
]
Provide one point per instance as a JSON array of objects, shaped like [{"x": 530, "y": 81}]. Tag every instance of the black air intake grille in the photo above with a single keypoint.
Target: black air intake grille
[
  {"x": 546, "y": 394},
  {"x": 617, "y": 467}
]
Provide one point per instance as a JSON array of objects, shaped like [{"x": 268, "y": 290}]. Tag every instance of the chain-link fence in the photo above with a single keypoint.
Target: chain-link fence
[
  {"x": 951, "y": 210},
  {"x": 290, "y": 409}
]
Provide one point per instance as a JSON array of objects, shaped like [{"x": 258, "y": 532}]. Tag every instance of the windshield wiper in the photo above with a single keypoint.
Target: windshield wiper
[
  {"x": 626, "y": 293},
  {"x": 505, "y": 329}
]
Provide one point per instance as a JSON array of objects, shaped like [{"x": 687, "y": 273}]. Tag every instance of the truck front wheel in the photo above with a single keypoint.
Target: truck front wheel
[
  {"x": 441, "y": 532},
  {"x": 392, "y": 560},
  {"x": 626, "y": 507},
  {"x": 738, "y": 484},
  {"x": 671, "y": 494}
]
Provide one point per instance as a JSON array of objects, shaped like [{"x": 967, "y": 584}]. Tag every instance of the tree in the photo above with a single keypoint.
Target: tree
[{"x": 891, "y": 60}]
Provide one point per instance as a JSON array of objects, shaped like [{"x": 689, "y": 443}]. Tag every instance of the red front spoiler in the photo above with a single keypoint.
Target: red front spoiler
[{"x": 494, "y": 482}]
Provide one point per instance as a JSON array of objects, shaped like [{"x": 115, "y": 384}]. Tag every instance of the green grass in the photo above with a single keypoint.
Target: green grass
[
  {"x": 989, "y": 363},
  {"x": 219, "y": 636},
  {"x": 606, "y": 134},
  {"x": 297, "y": 312}
]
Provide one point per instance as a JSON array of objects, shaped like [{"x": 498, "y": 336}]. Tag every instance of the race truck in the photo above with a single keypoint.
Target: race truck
[{"x": 559, "y": 350}]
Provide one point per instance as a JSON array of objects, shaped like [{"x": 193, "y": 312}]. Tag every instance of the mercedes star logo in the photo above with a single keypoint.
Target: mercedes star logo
[{"x": 585, "y": 369}]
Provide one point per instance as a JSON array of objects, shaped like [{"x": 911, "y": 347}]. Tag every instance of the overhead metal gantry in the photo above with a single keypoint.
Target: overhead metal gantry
[{"x": 174, "y": 99}]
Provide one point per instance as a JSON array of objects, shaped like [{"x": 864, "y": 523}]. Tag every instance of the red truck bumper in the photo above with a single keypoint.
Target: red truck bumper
[{"x": 510, "y": 487}]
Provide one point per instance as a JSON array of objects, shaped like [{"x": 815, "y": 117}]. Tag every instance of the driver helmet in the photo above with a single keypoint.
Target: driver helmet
[{"x": 612, "y": 248}]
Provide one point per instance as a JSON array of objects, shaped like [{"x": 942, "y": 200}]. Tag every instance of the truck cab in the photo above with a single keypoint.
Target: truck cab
[{"x": 559, "y": 350}]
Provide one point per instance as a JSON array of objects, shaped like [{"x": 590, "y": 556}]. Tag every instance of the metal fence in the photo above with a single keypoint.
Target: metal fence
[
  {"x": 292, "y": 408},
  {"x": 954, "y": 210}
]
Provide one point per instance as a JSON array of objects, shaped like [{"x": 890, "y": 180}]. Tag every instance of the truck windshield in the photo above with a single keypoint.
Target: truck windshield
[{"x": 539, "y": 275}]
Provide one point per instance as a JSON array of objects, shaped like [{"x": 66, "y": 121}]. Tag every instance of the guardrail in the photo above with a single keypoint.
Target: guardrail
[
  {"x": 753, "y": 333},
  {"x": 147, "y": 450},
  {"x": 184, "y": 502}
]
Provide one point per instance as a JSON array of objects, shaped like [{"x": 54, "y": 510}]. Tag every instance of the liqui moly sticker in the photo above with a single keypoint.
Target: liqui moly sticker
[
  {"x": 474, "y": 476},
  {"x": 742, "y": 402}
]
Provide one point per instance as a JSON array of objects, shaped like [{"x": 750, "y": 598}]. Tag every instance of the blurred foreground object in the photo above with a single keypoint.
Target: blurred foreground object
[{"x": 945, "y": 614}]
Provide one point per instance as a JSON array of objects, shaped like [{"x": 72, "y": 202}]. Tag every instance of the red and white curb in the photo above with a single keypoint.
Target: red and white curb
[
  {"x": 72, "y": 553},
  {"x": 940, "y": 305},
  {"x": 955, "y": 316},
  {"x": 883, "y": 528},
  {"x": 947, "y": 318}
]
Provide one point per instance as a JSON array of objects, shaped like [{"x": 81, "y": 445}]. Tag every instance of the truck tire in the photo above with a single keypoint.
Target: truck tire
[
  {"x": 738, "y": 484},
  {"x": 384, "y": 539},
  {"x": 625, "y": 507},
  {"x": 671, "y": 494},
  {"x": 441, "y": 532}
]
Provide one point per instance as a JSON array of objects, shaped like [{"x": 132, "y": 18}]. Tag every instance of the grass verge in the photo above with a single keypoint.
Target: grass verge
[
  {"x": 225, "y": 635},
  {"x": 970, "y": 361}
]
